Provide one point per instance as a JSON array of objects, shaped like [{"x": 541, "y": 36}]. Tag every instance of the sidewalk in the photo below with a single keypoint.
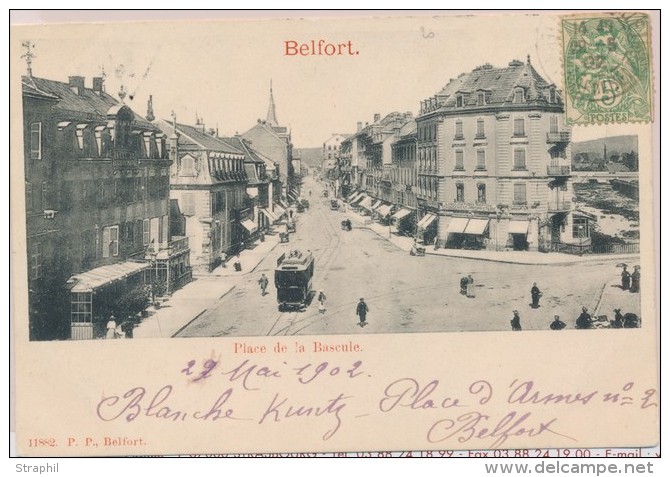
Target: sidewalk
[
  {"x": 613, "y": 296},
  {"x": 517, "y": 257},
  {"x": 249, "y": 257},
  {"x": 194, "y": 298}
]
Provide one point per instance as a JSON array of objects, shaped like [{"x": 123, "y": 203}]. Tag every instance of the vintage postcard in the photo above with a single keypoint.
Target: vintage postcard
[{"x": 429, "y": 232}]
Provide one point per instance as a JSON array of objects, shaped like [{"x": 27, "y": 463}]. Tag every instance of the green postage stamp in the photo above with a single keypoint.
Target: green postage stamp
[{"x": 607, "y": 67}]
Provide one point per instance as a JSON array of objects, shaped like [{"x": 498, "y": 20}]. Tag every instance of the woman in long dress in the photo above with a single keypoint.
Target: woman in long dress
[
  {"x": 470, "y": 289},
  {"x": 111, "y": 328}
]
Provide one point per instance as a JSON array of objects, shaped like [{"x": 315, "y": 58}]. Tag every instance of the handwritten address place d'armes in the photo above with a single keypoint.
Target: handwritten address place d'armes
[{"x": 469, "y": 415}]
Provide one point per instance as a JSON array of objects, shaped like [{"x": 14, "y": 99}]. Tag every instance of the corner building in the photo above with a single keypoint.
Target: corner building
[{"x": 494, "y": 163}]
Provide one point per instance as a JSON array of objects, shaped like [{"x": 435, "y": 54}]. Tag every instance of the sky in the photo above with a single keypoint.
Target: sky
[{"x": 221, "y": 70}]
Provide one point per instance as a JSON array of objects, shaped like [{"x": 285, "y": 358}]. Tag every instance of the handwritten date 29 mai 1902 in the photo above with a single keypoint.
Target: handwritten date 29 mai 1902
[{"x": 461, "y": 414}]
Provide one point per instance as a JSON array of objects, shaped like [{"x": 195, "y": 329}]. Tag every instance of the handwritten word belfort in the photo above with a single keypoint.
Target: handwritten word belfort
[{"x": 319, "y": 48}]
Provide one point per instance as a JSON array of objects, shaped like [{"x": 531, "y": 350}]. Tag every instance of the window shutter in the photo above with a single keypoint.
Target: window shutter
[{"x": 105, "y": 242}]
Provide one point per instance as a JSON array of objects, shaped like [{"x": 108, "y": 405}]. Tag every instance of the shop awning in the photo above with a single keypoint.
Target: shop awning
[
  {"x": 358, "y": 197},
  {"x": 427, "y": 219},
  {"x": 367, "y": 202},
  {"x": 294, "y": 194},
  {"x": 249, "y": 224},
  {"x": 384, "y": 210},
  {"x": 352, "y": 195},
  {"x": 269, "y": 215},
  {"x": 101, "y": 276},
  {"x": 476, "y": 226},
  {"x": 279, "y": 210},
  {"x": 283, "y": 204},
  {"x": 518, "y": 227},
  {"x": 401, "y": 214},
  {"x": 377, "y": 203},
  {"x": 457, "y": 225}
]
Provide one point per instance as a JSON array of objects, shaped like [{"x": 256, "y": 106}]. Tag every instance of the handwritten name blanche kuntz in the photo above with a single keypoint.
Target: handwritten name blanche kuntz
[{"x": 138, "y": 403}]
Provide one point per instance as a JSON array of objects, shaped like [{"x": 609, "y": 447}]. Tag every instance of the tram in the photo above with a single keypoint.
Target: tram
[{"x": 293, "y": 279}]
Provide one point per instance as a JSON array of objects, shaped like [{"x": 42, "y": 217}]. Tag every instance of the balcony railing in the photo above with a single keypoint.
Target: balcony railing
[
  {"x": 558, "y": 137},
  {"x": 176, "y": 246},
  {"x": 556, "y": 170},
  {"x": 559, "y": 206}
]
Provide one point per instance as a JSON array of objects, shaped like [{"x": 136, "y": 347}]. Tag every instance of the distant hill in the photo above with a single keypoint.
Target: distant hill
[
  {"x": 621, "y": 151},
  {"x": 310, "y": 156},
  {"x": 615, "y": 145}
]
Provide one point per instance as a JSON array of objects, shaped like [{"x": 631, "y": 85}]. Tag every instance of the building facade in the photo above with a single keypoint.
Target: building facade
[
  {"x": 274, "y": 142},
  {"x": 97, "y": 209},
  {"x": 494, "y": 168},
  {"x": 208, "y": 183}
]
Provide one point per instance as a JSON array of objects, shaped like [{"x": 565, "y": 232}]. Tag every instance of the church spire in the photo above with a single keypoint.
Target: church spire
[{"x": 272, "y": 113}]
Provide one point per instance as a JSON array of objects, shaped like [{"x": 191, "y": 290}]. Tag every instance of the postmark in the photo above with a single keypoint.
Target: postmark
[{"x": 607, "y": 68}]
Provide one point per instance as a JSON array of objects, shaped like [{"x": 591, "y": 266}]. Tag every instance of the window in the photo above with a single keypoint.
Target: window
[
  {"x": 553, "y": 124},
  {"x": 481, "y": 160},
  {"x": 45, "y": 192},
  {"x": 481, "y": 193},
  {"x": 81, "y": 310},
  {"x": 459, "y": 130},
  {"x": 188, "y": 203},
  {"x": 165, "y": 229},
  {"x": 36, "y": 140},
  {"x": 460, "y": 192},
  {"x": 36, "y": 260},
  {"x": 155, "y": 232},
  {"x": 519, "y": 95},
  {"x": 110, "y": 241},
  {"x": 580, "y": 227},
  {"x": 520, "y": 194},
  {"x": 481, "y": 99},
  {"x": 458, "y": 164},
  {"x": 519, "y": 159},
  {"x": 519, "y": 127},
  {"x": 187, "y": 166},
  {"x": 146, "y": 232},
  {"x": 29, "y": 197},
  {"x": 101, "y": 191},
  {"x": 552, "y": 95},
  {"x": 480, "y": 129}
]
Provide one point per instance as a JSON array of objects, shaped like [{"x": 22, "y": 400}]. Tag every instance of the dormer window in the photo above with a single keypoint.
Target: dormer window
[
  {"x": 552, "y": 95},
  {"x": 460, "y": 101},
  {"x": 519, "y": 95},
  {"x": 481, "y": 99},
  {"x": 187, "y": 166}
]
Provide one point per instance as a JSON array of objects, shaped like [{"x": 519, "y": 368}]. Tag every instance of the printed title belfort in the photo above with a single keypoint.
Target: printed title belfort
[{"x": 319, "y": 48}]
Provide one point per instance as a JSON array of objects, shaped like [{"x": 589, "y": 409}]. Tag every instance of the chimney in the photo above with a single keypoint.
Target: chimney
[
  {"x": 150, "y": 109},
  {"x": 359, "y": 126},
  {"x": 76, "y": 84},
  {"x": 199, "y": 123},
  {"x": 98, "y": 85},
  {"x": 377, "y": 117}
]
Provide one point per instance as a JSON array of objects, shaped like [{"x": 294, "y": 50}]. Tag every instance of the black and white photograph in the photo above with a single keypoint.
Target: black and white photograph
[{"x": 253, "y": 183}]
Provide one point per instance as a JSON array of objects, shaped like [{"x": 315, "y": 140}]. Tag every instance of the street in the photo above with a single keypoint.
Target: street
[{"x": 404, "y": 293}]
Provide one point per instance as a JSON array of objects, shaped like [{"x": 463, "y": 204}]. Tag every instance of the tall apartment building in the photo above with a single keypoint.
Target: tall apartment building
[{"x": 493, "y": 163}]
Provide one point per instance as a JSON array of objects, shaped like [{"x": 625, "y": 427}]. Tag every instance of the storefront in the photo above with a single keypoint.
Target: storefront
[
  {"x": 120, "y": 290},
  {"x": 518, "y": 232},
  {"x": 427, "y": 228},
  {"x": 404, "y": 221}
]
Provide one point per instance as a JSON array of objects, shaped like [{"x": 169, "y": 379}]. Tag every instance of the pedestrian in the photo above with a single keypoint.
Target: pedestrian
[
  {"x": 635, "y": 280},
  {"x": 310, "y": 192},
  {"x": 515, "y": 321},
  {"x": 322, "y": 307},
  {"x": 290, "y": 213},
  {"x": 263, "y": 281},
  {"x": 470, "y": 289},
  {"x": 535, "y": 295},
  {"x": 362, "y": 312},
  {"x": 557, "y": 324},
  {"x": 584, "y": 320},
  {"x": 127, "y": 327},
  {"x": 625, "y": 278},
  {"x": 464, "y": 284},
  {"x": 617, "y": 322},
  {"x": 321, "y": 297},
  {"x": 111, "y": 328}
]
